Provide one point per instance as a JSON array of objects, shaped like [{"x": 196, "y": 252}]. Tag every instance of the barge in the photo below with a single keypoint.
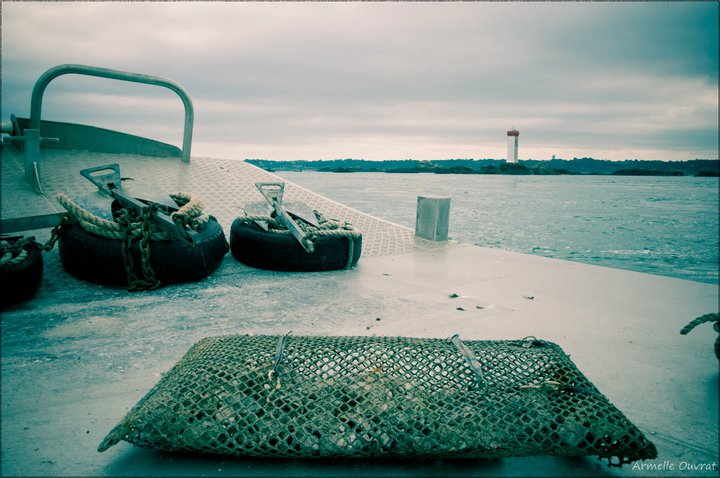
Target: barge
[{"x": 77, "y": 356}]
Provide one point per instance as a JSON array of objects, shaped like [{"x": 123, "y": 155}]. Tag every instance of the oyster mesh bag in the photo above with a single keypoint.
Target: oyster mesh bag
[{"x": 298, "y": 396}]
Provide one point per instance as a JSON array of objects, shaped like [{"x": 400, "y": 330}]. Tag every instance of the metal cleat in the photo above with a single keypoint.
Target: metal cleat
[
  {"x": 110, "y": 186},
  {"x": 273, "y": 194}
]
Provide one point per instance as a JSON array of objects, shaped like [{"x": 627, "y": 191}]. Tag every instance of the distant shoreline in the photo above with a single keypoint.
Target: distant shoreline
[{"x": 554, "y": 167}]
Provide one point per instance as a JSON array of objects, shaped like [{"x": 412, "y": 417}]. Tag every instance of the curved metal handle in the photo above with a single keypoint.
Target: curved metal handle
[{"x": 52, "y": 73}]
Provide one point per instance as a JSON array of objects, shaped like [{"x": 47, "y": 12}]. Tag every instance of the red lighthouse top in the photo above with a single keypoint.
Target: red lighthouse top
[{"x": 513, "y": 132}]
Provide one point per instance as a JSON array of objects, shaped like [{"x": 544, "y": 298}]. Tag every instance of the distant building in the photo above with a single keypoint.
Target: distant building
[{"x": 512, "y": 154}]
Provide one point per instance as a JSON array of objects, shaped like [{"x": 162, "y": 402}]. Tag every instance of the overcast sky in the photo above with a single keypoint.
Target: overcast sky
[{"x": 382, "y": 81}]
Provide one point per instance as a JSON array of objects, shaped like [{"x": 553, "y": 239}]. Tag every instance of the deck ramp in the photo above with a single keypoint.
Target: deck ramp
[{"x": 225, "y": 187}]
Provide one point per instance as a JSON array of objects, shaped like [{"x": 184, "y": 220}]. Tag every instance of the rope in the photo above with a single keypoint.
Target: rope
[
  {"x": 273, "y": 224},
  {"x": 190, "y": 214},
  {"x": 714, "y": 317},
  {"x": 328, "y": 228},
  {"x": 12, "y": 253},
  {"x": 335, "y": 229},
  {"x": 126, "y": 227},
  {"x": 15, "y": 252},
  {"x": 700, "y": 320},
  {"x": 102, "y": 227},
  {"x": 130, "y": 225}
]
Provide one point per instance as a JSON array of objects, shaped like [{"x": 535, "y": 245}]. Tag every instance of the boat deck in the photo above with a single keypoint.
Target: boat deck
[{"x": 78, "y": 356}]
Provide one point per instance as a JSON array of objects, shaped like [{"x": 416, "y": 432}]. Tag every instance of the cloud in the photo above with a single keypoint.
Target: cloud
[{"x": 383, "y": 80}]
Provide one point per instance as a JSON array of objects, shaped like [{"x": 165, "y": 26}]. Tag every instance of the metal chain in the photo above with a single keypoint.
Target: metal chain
[
  {"x": 190, "y": 212},
  {"x": 48, "y": 246},
  {"x": 135, "y": 283},
  {"x": 55, "y": 234},
  {"x": 14, "y": 252},
  {"x": 126, "y": 228},
  {"x": 151, "y": 282}
]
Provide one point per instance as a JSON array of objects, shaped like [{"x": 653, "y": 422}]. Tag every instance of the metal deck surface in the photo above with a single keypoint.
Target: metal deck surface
[
  {"x": 78, "y": 356},
  {"x": 225, "y": 187}
]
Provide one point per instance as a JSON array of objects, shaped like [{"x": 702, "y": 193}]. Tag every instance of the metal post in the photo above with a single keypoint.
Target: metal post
[
  {"x": 433, "y": 217},
  {"x": 32, "y": 158},
  {"x": 6, "y": 127}
]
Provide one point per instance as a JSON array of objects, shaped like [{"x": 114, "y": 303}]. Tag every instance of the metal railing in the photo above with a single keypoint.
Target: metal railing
[{"x": 52, "y": 73}]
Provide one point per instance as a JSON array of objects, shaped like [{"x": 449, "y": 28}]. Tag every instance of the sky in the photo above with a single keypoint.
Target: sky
[{"x": 374, "y": 81}]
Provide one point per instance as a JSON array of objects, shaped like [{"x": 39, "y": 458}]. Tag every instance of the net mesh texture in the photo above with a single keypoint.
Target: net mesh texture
[{"x": 286, "y": 396}]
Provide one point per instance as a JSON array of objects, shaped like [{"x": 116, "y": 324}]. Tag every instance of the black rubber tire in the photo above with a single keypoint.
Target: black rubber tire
[
  {"x": 19, "y": 282},
  {"x": 99, "y": 260},
  {"x": 253, "y": 246}
]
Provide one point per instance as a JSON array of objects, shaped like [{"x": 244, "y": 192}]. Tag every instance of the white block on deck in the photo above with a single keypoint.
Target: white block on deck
[{"x": 433, "y": 217}]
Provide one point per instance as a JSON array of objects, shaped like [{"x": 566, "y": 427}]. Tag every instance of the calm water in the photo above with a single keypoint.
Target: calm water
[{"x": 658, "y": 225}]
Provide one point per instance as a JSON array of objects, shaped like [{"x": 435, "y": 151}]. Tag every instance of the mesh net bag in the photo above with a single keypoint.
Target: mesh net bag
[{"x": 382, "y": 397}]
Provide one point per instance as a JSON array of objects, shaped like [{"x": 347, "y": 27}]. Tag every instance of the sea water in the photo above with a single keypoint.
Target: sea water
[{"x": 657, "y": 225}]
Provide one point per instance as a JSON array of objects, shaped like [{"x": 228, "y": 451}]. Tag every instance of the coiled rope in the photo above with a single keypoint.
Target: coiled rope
[
  {"x": 190, "y": 214},
  {"x": 11, "y": 254},
  {"x": 130, "y": 225},
  {"x": 327, "y": 228}
]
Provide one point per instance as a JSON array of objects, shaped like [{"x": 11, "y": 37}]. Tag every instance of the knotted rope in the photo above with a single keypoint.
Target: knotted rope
[{"x": 327, "y": 228}]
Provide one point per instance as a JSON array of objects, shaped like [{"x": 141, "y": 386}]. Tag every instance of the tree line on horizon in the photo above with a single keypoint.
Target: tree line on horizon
[{"x": 630, "y": 167}]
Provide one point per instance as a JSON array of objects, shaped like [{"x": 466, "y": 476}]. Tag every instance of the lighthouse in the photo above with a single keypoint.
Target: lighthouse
[{"x": 512, "y": 138}]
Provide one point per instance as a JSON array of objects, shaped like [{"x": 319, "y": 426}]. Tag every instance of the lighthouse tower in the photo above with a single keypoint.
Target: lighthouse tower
[{"x": 512, "y": 154}]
